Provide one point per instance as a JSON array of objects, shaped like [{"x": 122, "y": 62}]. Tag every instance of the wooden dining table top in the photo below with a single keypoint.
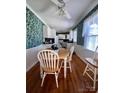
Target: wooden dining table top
[{"x": 63, "y": 53}]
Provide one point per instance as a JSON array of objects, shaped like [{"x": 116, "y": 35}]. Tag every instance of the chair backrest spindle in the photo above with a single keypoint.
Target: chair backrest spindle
[
  {"x": 71, "y": 53},
  {"x": 49, "y": 60}
]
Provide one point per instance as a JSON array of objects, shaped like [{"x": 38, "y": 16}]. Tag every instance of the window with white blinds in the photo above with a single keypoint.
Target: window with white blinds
[{"x": 90, "y": 31}]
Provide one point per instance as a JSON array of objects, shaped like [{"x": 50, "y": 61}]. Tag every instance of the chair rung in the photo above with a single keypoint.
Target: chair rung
[
  {"x": 89, "y": 69},
  {"x": 89, "y": 76},
  {"x": 66, "y": 67}
]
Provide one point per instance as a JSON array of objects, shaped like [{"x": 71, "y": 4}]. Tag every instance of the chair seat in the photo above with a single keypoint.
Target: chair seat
[{"x": 50, "y": 70}]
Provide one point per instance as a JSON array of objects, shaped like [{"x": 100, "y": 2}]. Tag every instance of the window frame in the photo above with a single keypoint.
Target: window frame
[{"x": 84, "y": 34}]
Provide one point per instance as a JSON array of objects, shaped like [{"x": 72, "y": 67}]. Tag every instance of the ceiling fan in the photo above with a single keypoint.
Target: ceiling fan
[{"x": 61, "y": 8}]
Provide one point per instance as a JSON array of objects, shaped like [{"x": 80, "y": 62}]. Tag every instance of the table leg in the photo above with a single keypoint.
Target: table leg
[{"x": 65, "y": 67}]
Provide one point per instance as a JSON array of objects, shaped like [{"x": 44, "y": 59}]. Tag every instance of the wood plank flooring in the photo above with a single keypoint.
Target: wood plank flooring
[{"x": 75, "y": 82}]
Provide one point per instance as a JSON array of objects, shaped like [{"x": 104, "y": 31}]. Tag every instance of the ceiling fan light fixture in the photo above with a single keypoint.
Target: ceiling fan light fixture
[{"x": 61, "y": 8}]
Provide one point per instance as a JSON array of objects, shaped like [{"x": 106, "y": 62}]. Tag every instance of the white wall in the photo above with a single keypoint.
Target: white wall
[
  {"x": 44, "y": 32},
  {"x": 31, "y": 55},
  {"x": 83, "y": 53},
  {"x": 68, "y": 36},
  {"x": 61, "y": 36},
  {"x": 51, "y": 33},
  {"x": 56, "y": 39},
  {"x": 48, "y": 32},
  {"x": 73, "y": 35}
]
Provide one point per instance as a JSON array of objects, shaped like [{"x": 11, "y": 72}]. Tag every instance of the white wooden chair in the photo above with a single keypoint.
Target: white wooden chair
[
  {"x": 49, "y": 63},
  {"x": 69, "y": 59},
  {"x": 92, "y": 65}
]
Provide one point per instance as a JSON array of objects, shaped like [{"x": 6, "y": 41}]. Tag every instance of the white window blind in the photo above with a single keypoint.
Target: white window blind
[{"x": 90, "y": 32}]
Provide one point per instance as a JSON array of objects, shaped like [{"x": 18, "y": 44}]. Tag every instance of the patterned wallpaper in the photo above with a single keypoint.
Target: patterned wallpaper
[
  {"x": 80, "y": 39},
  {"x": 34, "y": 30}
]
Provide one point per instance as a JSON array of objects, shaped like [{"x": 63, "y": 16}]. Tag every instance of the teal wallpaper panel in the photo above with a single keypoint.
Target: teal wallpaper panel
[
  {"x": 80, "y": 39},
  {"x": 34, "y": 30}
]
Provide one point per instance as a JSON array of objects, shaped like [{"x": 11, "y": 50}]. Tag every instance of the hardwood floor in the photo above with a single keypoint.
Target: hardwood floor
[{"x": 75, "y": 82}]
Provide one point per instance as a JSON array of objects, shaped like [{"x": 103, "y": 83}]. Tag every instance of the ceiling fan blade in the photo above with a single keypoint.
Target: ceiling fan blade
[
  {"x": 59, "y": 12},
  {"x": 67, "y": 14},
  {"x": 63, "y": 12},
  {"x": 66, "y": 1}
]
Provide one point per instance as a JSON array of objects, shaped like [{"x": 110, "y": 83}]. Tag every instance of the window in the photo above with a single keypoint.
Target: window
[
  {"x": 75, "y": 35},
  {"x": 90, "y": 32}
]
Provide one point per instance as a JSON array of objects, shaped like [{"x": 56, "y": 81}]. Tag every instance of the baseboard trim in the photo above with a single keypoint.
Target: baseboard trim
[{"x": 31, "y": 66}]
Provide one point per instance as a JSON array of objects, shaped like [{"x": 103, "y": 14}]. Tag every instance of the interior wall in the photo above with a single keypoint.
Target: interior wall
[
  {"x": 75, "y": 35},
  {"x": 48, "y": 32},
  {"x": 51, "y": 32},
  {"x": 83, "y": 53},
  {"x": 34, "y": 30},
  {"x": 71, "y": 35},
  {"x": 31, "y": 55},
  {"x": 80, "y": 39},
  {"x": 34, "y": 38}
]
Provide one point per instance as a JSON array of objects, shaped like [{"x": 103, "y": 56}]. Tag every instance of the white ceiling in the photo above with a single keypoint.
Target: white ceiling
[{"x": 46, "y": 10}]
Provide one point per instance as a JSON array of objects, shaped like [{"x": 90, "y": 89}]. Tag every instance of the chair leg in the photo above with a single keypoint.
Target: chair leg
[
  {"x": 43, "y": 79},
  {"x": 94, "y": 80},
  {"x": 41, "y": 74},
  {"x": 85, "y": 70},
  {"x": 56, "y": 77},
  {"x": 70, "y": 66},
  {"x": 60, "y": 67}
]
